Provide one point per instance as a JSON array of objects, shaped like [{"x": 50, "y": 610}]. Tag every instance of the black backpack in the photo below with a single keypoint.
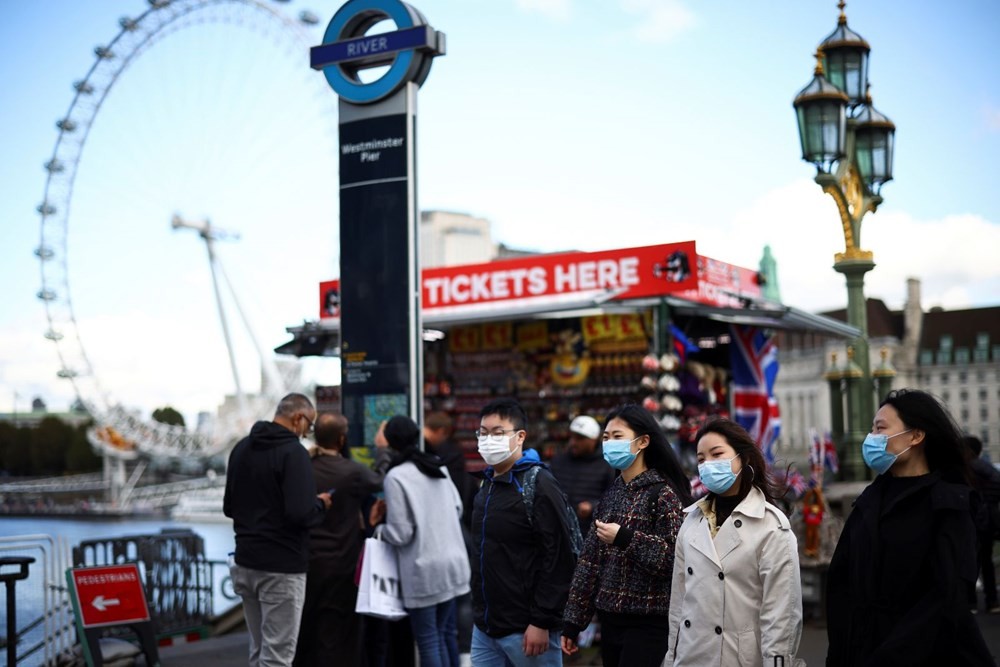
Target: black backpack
[{"x": 572, "y": 524}]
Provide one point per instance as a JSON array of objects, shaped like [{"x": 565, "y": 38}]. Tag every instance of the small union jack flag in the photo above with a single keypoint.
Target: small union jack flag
[
  {"x": 754, "y": 358},
  {"x": 797, "y": 482},
  {"x": 815, "y": 457},
  {"x": 830, "y": 454}
]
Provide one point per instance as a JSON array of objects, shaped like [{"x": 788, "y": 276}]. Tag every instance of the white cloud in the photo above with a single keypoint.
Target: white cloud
[
  {"x": 660, "y": 20},
  {"x": 553, "y": 9},
  {"x": 954, "y": 257}
]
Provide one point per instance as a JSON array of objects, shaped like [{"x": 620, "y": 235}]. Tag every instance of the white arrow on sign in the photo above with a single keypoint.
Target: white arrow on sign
[{"x": 101, "y": 604}]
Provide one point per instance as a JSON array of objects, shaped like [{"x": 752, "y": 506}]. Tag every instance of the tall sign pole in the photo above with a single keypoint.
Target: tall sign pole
[{"x": 381, "y": 328}]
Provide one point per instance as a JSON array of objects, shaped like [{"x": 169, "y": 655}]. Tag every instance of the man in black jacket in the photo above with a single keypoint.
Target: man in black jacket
[
  {"x": 330, "y": 632},
  {"x": 271, "y": 498},
  {"x": 582, "y": 471},
  {"x": 521, "y": 566}
]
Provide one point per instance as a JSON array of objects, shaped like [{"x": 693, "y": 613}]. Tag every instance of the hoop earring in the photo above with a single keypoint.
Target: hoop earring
[{"x": 753, "y": 475}]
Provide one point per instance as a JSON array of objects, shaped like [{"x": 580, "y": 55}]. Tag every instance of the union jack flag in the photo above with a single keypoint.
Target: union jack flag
[
  {"x": 754, "y": 358},
  {"x": 830, "y": 454},
  {"x": 796, "y": 482},
  {"x": 816, "y": 457}
]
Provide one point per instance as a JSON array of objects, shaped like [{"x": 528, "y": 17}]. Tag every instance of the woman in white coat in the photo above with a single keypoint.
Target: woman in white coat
[{"x": 736, "y": 598}]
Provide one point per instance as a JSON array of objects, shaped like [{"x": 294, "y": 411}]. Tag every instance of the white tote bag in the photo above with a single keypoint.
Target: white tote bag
[{"x": 379, "y": 592}]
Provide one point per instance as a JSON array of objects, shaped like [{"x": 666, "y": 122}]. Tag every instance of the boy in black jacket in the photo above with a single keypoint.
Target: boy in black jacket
[{"x": 521, "y": 566}]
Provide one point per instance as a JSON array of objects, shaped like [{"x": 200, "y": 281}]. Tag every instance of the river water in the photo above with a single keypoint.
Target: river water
[{"x": 218, "y": 540}]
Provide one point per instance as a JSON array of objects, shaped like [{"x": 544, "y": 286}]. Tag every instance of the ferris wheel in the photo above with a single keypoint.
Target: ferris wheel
[{"x": 120, "y": 431}]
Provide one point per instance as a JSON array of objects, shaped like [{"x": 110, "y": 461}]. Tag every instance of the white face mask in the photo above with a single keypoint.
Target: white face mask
[{"x": 494, "y": 449}]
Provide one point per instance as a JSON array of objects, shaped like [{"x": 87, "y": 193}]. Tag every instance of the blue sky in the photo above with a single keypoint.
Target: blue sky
[{"x": 568, "y": 124}]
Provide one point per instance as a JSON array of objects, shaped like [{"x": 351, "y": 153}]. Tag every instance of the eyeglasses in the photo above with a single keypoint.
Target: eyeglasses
[
  {"x": 311, "y": 428},
  {"x": 497, "y": 432}
]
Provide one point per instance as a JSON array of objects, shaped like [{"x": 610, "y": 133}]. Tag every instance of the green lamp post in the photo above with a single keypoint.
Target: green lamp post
[{"x": 851, "y": 144}]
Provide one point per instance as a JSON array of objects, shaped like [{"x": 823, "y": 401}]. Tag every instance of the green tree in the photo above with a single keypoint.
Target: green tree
[
  {"x": 167, "y": 415},
  {"x": 17, "y": 454},
  {"x": 50, "y": 443},
  {"x": 81, "y": 456},
  {"x": 8, "y": 435}
]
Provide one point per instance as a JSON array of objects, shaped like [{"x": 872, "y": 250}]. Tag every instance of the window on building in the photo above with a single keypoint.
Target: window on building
[
  {"x": 945, "y": 395},
  {"x": 982, "y": 340},
  {"x": 984, "y": 414},
  {"x": 945, "y": 343},
  {"x": 962, "y": 355},
  {"x": 963, "y": 376},
  {"x": 926, "y": 357},
  {"x": 984, "y": 435},
  {"x": 981, "y": 376},
  {"x": 944, "y": 356},
  {"x": 944, "y": 378},
  {"x": 996, "y": 353},
  {"x": 982, "y": 393},
  {"x": 965, "y": 415},
  {"x": 963, "y": 395}
]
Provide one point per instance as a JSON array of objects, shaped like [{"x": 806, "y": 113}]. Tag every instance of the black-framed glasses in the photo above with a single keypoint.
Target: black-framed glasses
[
  {"x": 497, "y": 432},
  {"x": 311, "y": 426}
]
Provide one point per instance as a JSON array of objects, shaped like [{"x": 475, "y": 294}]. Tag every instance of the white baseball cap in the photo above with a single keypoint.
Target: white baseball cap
[{"x": 585, "y": 426}]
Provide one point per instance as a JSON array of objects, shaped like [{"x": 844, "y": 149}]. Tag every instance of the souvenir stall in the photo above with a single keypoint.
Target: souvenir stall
[{"x": 579, "y": 333}]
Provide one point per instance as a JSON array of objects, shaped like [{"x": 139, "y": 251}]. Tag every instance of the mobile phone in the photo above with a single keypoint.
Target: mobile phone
[{"x": 331, "y": 491}]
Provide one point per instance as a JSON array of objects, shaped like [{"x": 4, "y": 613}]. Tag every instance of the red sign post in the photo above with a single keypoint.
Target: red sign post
[{"x": 110, "y": 595}]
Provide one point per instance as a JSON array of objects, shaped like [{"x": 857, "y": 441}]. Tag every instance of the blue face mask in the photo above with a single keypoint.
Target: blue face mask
[
  {"x": 717, "y": 476},
  {"x": 618, "y": 453},
  {"x": 874, "y": 452}
]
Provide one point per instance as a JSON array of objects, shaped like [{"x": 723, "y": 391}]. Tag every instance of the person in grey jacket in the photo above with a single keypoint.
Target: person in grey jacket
[
  {"x": 736, "y": 597},
  {"x": 422, "y": 511}
]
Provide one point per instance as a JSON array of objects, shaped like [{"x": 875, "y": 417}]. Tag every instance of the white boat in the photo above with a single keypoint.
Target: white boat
[{"x": 200, "y": 506}]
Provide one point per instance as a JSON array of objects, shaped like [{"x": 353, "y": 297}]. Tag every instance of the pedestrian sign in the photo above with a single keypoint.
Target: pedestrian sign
[{"x": 109, "y": 595}]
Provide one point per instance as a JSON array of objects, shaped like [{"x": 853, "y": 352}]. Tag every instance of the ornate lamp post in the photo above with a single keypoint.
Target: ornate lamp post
[{"x": 851, "y": 145}]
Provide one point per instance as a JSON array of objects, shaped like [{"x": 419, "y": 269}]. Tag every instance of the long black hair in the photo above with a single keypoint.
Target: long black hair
[
  {"x": 942, "y": 438},
  {"x": 659, "y": 454},
  {"x": 750, "y": 455}
]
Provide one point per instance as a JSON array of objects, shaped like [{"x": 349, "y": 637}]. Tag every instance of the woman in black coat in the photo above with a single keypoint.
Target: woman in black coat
[{"x": 897, "y": 582}]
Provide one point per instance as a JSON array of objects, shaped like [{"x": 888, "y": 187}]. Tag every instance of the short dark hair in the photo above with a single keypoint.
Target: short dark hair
[
  {"x": 401, "y": 433},
  {"x": 293, "y": 404},
  {"x": 436, "y": 420},
  {"x": 506, "y": 408},
  {"x": 330, "y": 430}
]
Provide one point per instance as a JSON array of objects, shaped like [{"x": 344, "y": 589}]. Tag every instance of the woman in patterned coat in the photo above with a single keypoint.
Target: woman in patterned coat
[{"x": 624, "y": 571}]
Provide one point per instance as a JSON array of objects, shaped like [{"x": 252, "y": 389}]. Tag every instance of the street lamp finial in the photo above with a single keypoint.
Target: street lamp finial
[{"x": 842, "y": 19}]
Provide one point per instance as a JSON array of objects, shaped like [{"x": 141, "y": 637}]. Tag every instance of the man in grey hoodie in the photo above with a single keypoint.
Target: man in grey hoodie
[{"x": 271, "y": 498}]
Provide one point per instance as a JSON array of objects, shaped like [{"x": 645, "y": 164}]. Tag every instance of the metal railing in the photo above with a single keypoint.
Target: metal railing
[
  {"x": 177, "y": 577},
  {"x": 42, "y": 599},
  {"x": 180, "y": 583}
]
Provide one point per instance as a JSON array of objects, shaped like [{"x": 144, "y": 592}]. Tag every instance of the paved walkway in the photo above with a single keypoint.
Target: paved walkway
[{"x": 231, "y": 650}]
